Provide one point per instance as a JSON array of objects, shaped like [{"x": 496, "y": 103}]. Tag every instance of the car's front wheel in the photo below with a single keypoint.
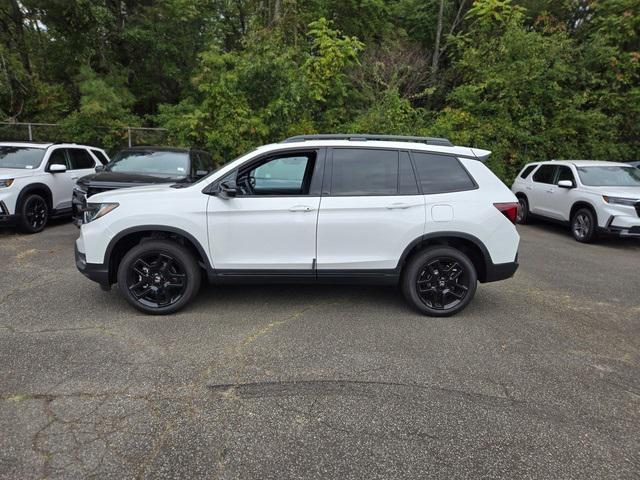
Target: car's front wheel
[
  {"x": 439, "y": 281},
  {"x": 159, "y": 277},
  {"x": 34, "y": 214},
  {"x": 583, "y": 225}
]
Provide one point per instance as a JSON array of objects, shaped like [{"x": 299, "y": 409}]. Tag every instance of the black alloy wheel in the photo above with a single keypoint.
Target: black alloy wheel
[
  {"x": 440, "y": 281},
  {"x": 34, "y": 214},
  {"x": 159, "y": 276}
]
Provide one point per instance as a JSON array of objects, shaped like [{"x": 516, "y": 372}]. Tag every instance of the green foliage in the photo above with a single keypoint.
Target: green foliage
[{"x": 527, "y": 79}]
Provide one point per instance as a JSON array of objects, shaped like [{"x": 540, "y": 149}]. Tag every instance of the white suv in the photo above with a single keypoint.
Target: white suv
[
  {"x": 337, "y": 208},
  {"x": 37, "y": 179},
  {"x": 591, "y": 196}
]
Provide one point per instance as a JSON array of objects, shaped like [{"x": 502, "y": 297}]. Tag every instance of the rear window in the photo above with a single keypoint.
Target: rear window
[
  {"x": 364, "y": 172},
  {"x": 527, "y": 171},
  {"x": 441, "y": 173}
]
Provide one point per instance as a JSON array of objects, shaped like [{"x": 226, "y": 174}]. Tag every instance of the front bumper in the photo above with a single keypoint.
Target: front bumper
[
  {"x": 93, "y": 271},
  {"x": 6, "y": 218}
]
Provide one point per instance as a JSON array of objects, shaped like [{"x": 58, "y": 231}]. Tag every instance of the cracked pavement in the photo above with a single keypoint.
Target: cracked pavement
[{"x": 538, "y": 378}]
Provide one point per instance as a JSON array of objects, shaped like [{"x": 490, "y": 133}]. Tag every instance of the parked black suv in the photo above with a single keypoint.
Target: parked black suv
[{"x": 138, "y": 166}]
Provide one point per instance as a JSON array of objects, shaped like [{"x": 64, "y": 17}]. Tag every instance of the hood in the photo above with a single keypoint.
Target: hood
[
  {"x": 115, "y": 195},
  {"x": 15, "y": 172},
  {"x": 107, "y": 179},
  {"x": 624, "y": 192}
]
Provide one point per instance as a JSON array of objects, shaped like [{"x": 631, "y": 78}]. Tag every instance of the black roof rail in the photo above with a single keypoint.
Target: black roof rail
[{"x": 363, "y": 137}]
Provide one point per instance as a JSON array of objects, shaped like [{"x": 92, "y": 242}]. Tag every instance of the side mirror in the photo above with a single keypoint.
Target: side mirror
[
  {"x": 566, "y": 184},
  {"x": 57, "y": 168},
  {"x": 201, "y": 173},
  {"x": 227, "y": 190},
  {"x": 99, "y": 168}
]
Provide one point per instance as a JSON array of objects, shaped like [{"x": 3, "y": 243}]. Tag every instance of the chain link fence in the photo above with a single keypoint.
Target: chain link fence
[{"x": 53, "y": 132}]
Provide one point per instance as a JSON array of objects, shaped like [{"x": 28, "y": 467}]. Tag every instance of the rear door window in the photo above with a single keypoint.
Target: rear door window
[
  {"x": 80, "y": 159},
  {"x": 100, "y": 156},
  {"x": 441, "y": 173},
  {"x": 545, "y": 174},
  {"x": 364, "y": 172}
]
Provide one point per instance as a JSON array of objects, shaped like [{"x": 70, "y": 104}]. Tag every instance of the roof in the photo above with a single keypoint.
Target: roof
[
  {"x": 27, "y": 144},
  {"x": 593, "y": 163},
  {"x": 157, "y": 147},
  {"x": 477, "y": 153}
]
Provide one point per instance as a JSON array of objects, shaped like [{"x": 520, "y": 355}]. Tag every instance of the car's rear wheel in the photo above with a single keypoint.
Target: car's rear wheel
[
  {"x": 34, "y": 214},
  {"x": 439, "y": 281},
  {"x": 522, "y": 216},
  {"x": 583, "y": 225},
  {"x": 159, "y": 277}
]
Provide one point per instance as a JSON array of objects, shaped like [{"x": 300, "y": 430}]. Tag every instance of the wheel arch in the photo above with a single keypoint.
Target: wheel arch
[
  {"x": 467, "y": 243},
  {"x": 583, "y": 204},
  {"x": 130, "y": 237},
  {"x": 39, "y": 188}
]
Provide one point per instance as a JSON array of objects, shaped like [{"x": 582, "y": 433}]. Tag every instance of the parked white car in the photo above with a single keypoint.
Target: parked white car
[
  {"x": 590, "y": 196},
  {"x": 37, "y": 179},
  {"x": 359, "y": 208}
]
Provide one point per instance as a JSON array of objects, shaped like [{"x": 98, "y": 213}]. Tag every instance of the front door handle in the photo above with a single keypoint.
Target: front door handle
[
  {"x": 74, "y": 178},
  {"x": 300, "y": 208},
  {"x": 396, "y": 206}
]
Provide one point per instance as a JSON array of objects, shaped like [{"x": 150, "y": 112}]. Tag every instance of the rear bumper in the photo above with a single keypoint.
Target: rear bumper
[
  {"x": 97, "y": 272},
  {"x": 500, "y": 271}
]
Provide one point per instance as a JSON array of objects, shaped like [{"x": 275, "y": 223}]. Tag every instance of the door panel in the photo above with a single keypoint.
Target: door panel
[
  {"x": 256, "y": 233},
  {"x": 369, "y": 232},
  {"x": 560, "y": 199},
  {"x": 61, "y": 184},
  {"x": 271, "y": 223},
  {"x": 541, "y": 187},
  {"x": 364, "y": 223}
]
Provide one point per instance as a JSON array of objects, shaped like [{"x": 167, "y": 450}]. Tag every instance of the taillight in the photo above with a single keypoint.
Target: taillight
[{"x": 509, "y": 210}]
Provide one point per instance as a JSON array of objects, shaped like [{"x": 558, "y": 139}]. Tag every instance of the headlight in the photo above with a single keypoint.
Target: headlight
[
  {"x": 6, "y": 182},
  {"x": 79, "y": 189},
  {"x": 97, "y": 210},
  {"x": 630, "y": 202}
]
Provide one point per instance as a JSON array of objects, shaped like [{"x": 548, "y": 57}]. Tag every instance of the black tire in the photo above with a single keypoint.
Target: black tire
[
  {"x": 33, "y": 214},
  {"x": 583, "y": 225},
  {"x": 428, "y": 277},
  {"x": 159, "y": 277},
  {"x": 523, "y": 211}
]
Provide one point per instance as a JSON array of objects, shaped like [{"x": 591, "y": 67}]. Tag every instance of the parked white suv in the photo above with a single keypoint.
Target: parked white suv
[
  {"x": 591, "y": 196},
  {"x": 37, "y": 179},
  {"x": 341, "y": 208}
]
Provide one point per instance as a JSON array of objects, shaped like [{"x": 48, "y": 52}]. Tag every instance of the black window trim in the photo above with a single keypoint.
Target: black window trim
[
  {"x": 454, "y": 157},
  {"x": 317, "y": 176}
]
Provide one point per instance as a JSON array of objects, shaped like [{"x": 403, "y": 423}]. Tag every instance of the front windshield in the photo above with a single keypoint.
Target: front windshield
[
  {"x": 614, "y": 176},
  {"x": 150, "y": 162},
  {"x": 20, "y": 157}
]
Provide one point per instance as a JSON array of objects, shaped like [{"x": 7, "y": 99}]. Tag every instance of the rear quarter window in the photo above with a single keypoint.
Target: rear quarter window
[
  {"x": 441, "y": 173},
  {"x": 527, "y": 171}
]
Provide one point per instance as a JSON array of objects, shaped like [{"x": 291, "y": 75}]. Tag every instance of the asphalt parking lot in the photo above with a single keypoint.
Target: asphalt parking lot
[{"x": 538, "y": 378}]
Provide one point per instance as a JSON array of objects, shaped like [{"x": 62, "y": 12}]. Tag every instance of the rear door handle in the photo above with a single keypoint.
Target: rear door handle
[
  {"x": 300, "y": 208},
  {"x": 396, "y": 206}
]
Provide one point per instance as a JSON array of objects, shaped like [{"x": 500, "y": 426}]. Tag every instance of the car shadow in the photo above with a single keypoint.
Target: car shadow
[{"x": 8, "y": 231}]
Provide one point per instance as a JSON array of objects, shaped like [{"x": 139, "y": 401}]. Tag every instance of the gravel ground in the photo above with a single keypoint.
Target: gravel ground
[{"x": 538, "y": 378}]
